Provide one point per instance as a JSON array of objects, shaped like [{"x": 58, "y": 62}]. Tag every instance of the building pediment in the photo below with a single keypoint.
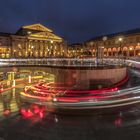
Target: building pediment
[
  {"x": 37, "y": 27},
  {"x": 45, "y": 35}
]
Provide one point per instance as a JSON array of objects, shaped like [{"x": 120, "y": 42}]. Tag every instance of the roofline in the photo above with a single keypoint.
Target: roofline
[{"x": 123, "y": 33}]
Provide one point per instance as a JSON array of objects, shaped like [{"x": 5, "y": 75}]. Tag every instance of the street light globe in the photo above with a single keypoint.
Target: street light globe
[
  {"x": 120, "y": 39},
  {"x": 55, "y": 99},
  {"x": 104, "y": 38},
  {"x": 51, "y": 41}
]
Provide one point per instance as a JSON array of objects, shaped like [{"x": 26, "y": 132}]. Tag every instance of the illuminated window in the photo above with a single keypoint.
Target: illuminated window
[
  {"x": 19, "y": 45},
  {"x": 29, "y": 32},
  {"x": 51, "y": 41}
]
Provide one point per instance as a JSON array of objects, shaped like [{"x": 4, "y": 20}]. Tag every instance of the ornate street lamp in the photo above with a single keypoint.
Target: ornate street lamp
[
  {"x": 102, "y": 49},
  {"x": 120, "y": 40}
]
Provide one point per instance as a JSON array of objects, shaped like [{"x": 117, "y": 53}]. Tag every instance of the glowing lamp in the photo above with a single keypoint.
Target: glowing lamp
[
  {"x": 51, "y": 41},
  {"x": 54, "y": 99},
  {"x": 130, "y": 49},
  {"x": 120, "y": 39}
]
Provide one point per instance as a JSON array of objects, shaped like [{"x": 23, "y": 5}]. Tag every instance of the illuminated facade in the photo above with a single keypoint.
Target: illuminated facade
[
  {"x": 126, "y": 44},
  {"x": 33, "y": 41},
  {"x": 37, "y": 41}
]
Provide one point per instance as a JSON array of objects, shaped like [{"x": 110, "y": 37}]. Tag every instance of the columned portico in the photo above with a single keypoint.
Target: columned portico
[{"x": 33, "y": 41}]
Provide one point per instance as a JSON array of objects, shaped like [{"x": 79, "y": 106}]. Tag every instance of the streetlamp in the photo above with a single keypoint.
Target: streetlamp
[
  {"x": 120, "y": 40},
  {"x": 102, "y": 48},
  {"x": 120, "y": 53}
]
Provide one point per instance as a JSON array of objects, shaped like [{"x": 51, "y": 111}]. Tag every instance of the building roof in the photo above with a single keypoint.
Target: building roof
[
  {"x": 39, "y": 31},
  {"x": 124, "y": 33},
  {"x": 5, "y": 34},
  {"x": 34, "y": 28},
  {"x": 75, "y": 44},
  {"x": 37, "y": 27}
]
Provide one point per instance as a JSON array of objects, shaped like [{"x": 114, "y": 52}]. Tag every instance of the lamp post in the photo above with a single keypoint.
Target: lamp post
[
  {"x": 120, "y": 53},
  {"x": 102, "y": 48},
  {"x": 120, "y": 40},
  {"x": 97, "y": 54}
]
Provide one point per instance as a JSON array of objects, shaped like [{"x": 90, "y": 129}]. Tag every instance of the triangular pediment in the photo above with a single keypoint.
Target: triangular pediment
[
  {"x": 37, "y": 27},
  {"x": 46, "y": 35}
]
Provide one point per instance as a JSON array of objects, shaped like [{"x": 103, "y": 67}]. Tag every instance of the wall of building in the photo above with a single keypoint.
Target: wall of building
[
  {"x": 33, "y": 41},
  {"x": 116, "y": 46},
  {"x": 22, "y": 47},
  {"x": 5, "y": 47}
]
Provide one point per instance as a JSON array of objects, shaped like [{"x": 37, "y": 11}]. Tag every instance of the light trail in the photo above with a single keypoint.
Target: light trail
[{"x": 64, "y": 96}]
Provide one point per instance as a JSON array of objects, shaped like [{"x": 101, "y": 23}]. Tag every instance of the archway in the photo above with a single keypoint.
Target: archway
[
  {"x": 109, "y": 52},
  {"x": 87, "y": 54},
  {"x": 125, "y": 51},
  {"x": 137, "y": 51},
  {"x": 93, "y": 52},
  {"x": 105, "y": 52},
  {"x": 114, "y": 51},
  {"x": 131, "y": 51}
]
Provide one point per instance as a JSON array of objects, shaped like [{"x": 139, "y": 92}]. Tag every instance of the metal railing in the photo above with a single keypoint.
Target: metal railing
[{"x": 63, "y": 62}]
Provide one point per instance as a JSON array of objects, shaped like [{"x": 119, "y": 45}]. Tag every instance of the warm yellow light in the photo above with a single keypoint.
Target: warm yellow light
[
  {"x": 7, "y": 55},
  {"x": 120, "y": 39},
  {"x": 29, "y": 32},
  {"x": 3, "y": 55},
  {"x": 19, "y": 45},
  {"x": 51, "y": 41},
  {"x": 131, "y": 49}
]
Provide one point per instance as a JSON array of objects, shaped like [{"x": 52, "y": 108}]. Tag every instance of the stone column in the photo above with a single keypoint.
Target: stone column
[
  {"x": 28, "y": 46},
  {"x": 128, "y": 53},
  {"x": 134, "y": 51},
  {"x": 111, "y": 52},
  {"x": 44, "y": 48},
  {"x": 12, "y": 49}
]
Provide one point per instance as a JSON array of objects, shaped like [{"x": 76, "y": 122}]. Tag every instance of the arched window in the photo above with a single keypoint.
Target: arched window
[
  {"x": 137, "y": 50},
  {"x": 131, "y": 51},
  {"x": 114, "y": 51},
  {"x": 125, "y": 50}
]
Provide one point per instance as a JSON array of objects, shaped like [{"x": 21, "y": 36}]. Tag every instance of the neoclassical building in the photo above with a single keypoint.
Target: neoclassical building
[
  {"x": 37, "y": 41},
  {"x": 126, "y": 44},
  {"x": 33, "y": 41}
]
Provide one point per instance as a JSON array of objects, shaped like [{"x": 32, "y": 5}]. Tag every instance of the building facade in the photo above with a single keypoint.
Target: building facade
[
  {"x": 37, "y": 41},
  {"x": 126, "y": 44},
  {"x": 33, "y": 41}
]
